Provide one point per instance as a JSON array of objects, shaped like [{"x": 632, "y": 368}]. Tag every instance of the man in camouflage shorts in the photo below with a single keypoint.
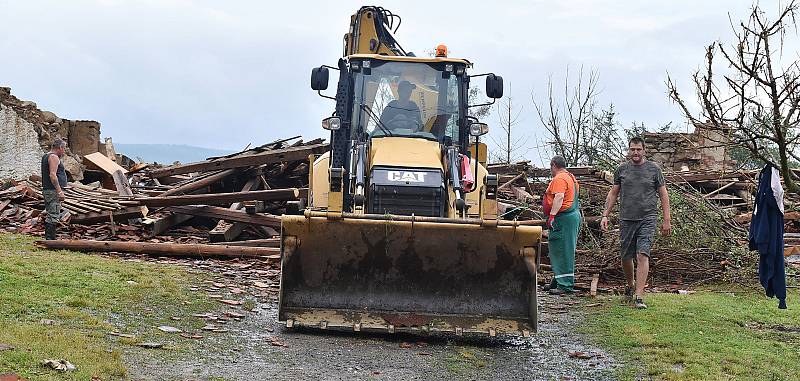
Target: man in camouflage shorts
[{"x": 638, "y": 183}]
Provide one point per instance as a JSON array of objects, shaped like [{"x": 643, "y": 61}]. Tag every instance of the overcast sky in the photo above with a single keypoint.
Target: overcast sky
[{"x": 224, "y": 74}]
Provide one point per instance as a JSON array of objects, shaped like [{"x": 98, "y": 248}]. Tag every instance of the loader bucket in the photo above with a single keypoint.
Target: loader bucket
[{"x": 377, "y": 273}]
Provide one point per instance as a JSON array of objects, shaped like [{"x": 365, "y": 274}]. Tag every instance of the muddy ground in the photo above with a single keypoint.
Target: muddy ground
[{"x": 256, "y": 347}]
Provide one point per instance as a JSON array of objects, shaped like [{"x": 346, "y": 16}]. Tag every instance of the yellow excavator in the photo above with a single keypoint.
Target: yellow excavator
[{"x": 401, "y": 232}]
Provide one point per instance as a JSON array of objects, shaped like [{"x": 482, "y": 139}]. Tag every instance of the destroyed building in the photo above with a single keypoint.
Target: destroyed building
[
  {"x": 706, "y": 148},
  {"x": 28, "y": 131}
]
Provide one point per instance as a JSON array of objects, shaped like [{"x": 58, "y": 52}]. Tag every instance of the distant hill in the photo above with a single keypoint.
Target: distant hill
[{"x": 167, "y": 153}]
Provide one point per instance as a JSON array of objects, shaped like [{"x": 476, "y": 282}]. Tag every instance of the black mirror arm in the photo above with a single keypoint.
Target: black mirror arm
[
  {"x": 324, "y": 96},
  {"x": 483, "y": 104}
]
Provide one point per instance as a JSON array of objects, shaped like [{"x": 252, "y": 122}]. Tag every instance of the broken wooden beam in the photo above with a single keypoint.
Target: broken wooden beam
[
  {"x": 106, "y": 215},
  {"x": 266, "y": 157},
  {"x": 225, "y": 231},
  {"x": 164, "y": 249},
  {"x": 158, "y": 226},
  {"x": 509, "y": 182},
  {"x": 226, "y": 214},
  {"x": 201, "y": 183},
  {"x": 221, "y": 198}
]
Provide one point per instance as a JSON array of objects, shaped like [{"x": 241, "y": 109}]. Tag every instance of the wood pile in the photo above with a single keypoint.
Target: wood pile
[
  {"x": 82, "y": 205},
  {"x": 238, "y": 197}
]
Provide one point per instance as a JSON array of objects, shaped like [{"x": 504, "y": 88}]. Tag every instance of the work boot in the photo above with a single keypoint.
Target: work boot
[
  {"x": 558, "y": 291},
  {"x": 628, "y": 294},
  {"x": 49, "y": 231}
]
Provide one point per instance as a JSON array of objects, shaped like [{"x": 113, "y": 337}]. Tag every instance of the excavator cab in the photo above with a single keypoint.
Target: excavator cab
[{"x": 401, "y": 231}]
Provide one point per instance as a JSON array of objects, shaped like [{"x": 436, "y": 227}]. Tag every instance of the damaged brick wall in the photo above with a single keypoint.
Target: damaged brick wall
[
  {"x": 704, "y": 149},
  {"x": 27, "y": 133}
]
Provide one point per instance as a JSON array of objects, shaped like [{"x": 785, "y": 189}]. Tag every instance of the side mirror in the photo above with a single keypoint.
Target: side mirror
[
  {"x": 332, "y": 123},
  {"x": 319, "y": 78},
  {"x": 477, "y": 129},
  {"x": 494, "y": 86}
]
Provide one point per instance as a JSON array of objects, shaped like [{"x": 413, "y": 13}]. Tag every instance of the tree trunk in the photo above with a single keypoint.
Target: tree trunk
[{"x": 786, "y": 171}]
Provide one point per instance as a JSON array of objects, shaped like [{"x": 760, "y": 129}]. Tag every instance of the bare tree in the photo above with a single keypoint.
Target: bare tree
[
  {"x": 509, "y": 143},
  {"x": 602, "y": 144},
  {"x": 755, "y": 104},
  {"x": 575, "y": 129}
]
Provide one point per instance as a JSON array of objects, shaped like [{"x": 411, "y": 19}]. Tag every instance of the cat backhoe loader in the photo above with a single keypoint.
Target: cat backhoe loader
[{"x": 401, "y": 232}]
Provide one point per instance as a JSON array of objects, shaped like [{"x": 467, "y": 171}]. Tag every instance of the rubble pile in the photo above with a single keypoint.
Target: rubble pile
[
  {"x": 230, "y": 206},
  {"x": 237, "y": 197}
]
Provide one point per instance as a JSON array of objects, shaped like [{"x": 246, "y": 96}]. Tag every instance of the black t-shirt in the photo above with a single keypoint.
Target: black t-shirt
[{"x": 396, "y": 116}]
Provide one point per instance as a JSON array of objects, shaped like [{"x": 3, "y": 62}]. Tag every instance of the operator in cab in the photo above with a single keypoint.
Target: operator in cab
[{"x": 402, "y": 113}]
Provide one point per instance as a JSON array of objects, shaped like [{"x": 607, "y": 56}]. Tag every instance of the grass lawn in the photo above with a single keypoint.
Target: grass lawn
[
  {"x": 62, "y": 305},
  {"x": 709, "y": 335}
]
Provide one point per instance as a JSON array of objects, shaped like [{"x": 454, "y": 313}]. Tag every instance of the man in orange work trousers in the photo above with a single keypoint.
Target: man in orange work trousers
[{"x": 562, "y": 208}]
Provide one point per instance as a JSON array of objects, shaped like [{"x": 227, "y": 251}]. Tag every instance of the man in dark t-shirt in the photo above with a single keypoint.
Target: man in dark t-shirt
[
  {"x": 402, "y": 112},
  {"x": 639, "y": 184}
]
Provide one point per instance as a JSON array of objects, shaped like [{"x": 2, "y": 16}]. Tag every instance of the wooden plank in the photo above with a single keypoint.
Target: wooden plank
[
  {"x": 83, "y": 205},
  {"x": 73, "y": 207},
  {"x": 509, "y": 182},
  {"x": 122, "y": 184},
  {"x": 105, "y": 216},
  {"x": 99, "y": 161},
  {"x": 124, "y": 189},
  {"x": 92, "y": 190},
  {"x": 226, "y": 214},
  {"x": 593, "y": 287},
  {"x": 221, "y": 198},
  {"x": 166, "y": 249},
  {"x": 266, "y": 157},
  {"x": 707, "y": 195},
  {"x": 138, "y": 167},
  {"x": 172, "y": 180}
]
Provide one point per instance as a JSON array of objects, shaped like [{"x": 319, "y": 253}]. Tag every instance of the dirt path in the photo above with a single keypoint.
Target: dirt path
[{"x": 253, "y": 349}]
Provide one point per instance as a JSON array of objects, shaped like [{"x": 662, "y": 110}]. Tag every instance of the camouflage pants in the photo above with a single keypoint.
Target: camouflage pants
[{"x": 52, "y": 205}]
